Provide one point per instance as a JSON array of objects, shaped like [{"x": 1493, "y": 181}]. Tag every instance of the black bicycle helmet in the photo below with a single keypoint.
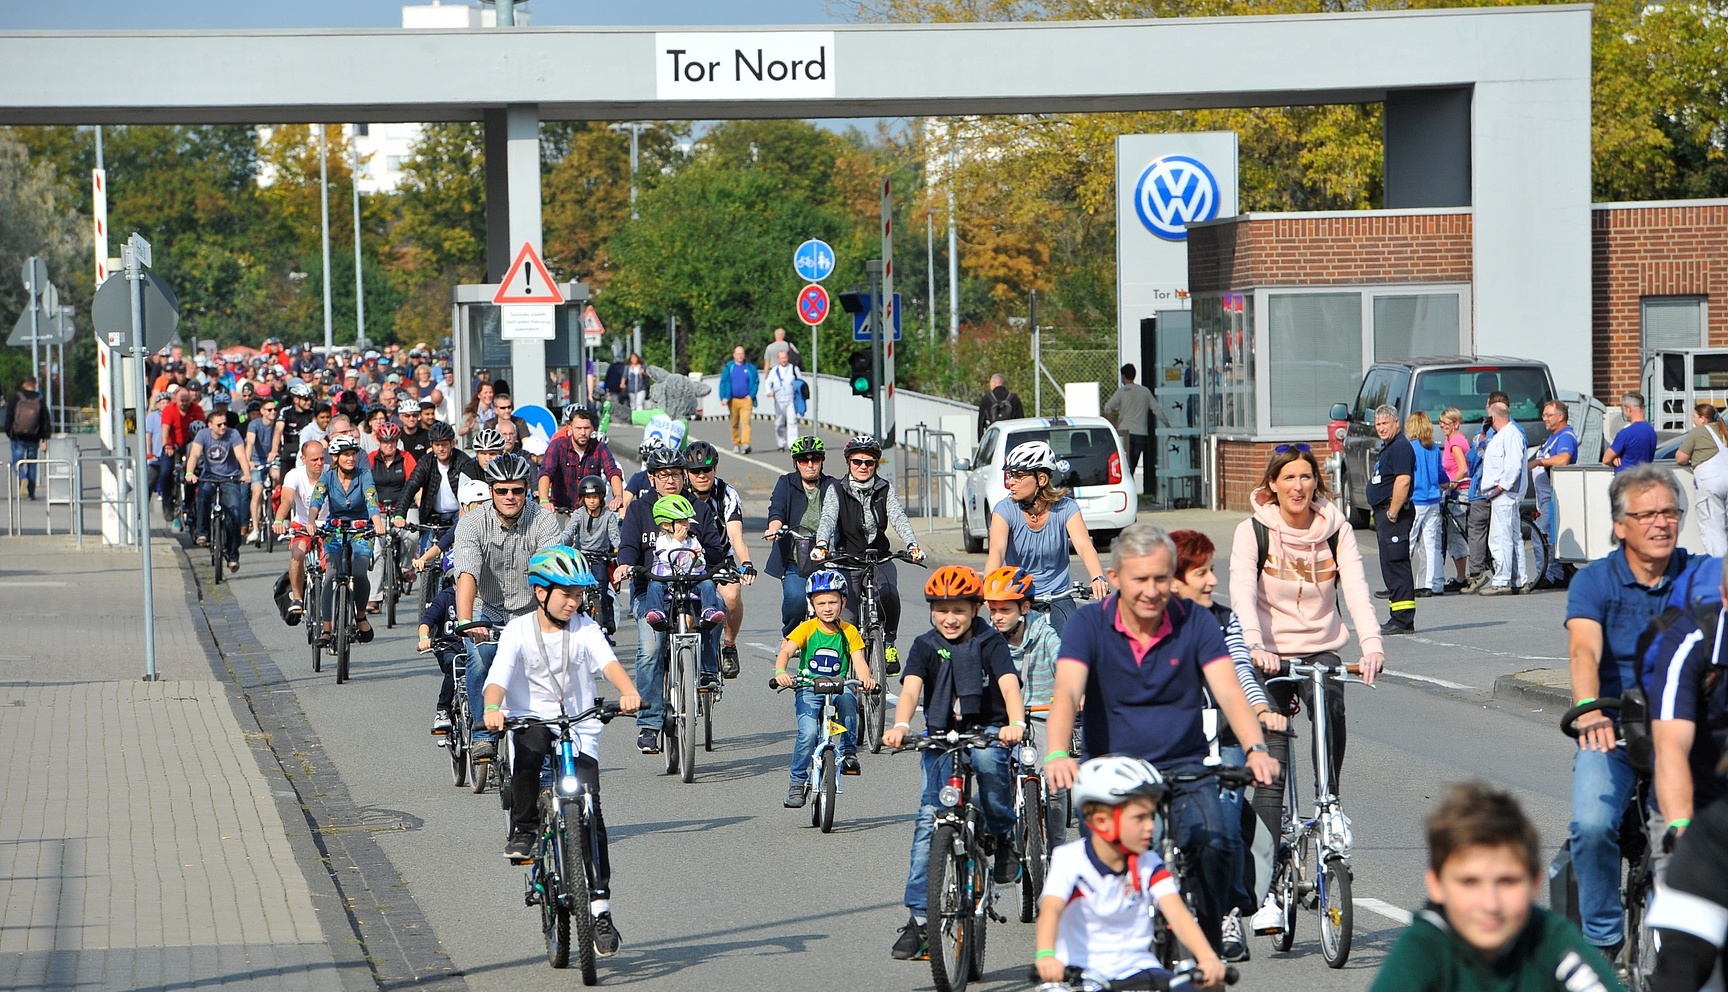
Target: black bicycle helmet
[
  {"x": 660, "y": 458},
  {"x": 591, "y": 485},
  {"x": 508, "y": 468},
  {"x": 440, "y": 431},
  {"x": 864, "y": 442},
  {"x": 701, "y": 455}
]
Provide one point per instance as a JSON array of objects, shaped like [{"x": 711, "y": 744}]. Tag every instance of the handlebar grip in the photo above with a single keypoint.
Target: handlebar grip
[
  {"x": 1569, "y": 722},
  {"x": 1231, "y": 975},
  {"x": 1354, "y": 668}
]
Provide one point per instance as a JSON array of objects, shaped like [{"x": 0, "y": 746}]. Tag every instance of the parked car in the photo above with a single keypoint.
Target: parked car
[
  {"x": 1431, "y": 385},
  {"x": 1094, "y": 463}
]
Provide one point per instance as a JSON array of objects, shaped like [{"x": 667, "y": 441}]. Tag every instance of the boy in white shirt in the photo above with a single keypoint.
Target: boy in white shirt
[
  {"x": 1096, "y": 909},
  {"x": 545, "y": 668}
]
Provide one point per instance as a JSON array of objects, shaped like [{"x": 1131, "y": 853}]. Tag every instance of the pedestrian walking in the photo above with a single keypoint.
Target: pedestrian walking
[
  {"x": 1427, "y": 530},
  {"x": 999, "y": 403},
  {"x": 1480, "y": 511},
  {"x": 1635, "y": 443},
  {"x": 1389, "y": 488},
  {"x": 779, "y": 346},
  {"x": 739, "y": 383},
  {"x": 1560, "y": 448},
  {"x": 782, "y": 386},
  {"x": 1504, "y": 476},
  {"x": 27, "y": 426},
  {"x": 1709, "y": 475},
  {"x": 1132, "y": 408},
  {"x": 636, "y": 382}
]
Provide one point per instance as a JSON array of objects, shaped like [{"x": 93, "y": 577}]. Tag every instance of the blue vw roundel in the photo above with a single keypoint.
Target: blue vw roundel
[{"x": 1172, "y": 193}]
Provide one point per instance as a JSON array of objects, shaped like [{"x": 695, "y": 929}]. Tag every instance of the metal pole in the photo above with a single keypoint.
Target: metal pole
[
  {"x": 672, "y": 332},
  {"x": 874, "y": 267},
  {"x": 953, "y": 272},
  {"x": 324, "y": 208},
  {"x": 816, "y": 392},
  {"x": 930, "y": 266},
  {"x": 359, "y": 278},
  {"x": 1037, "y": 358},
  {"x": 506, "y": 13},
  {"x": 135, "y": 276},
  {"x": 635, "y": 131},
  {"x": 35, "y": 323}
]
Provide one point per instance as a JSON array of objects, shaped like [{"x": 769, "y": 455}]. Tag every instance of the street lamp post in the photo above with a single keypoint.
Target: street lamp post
[
  {"x": 324, "y": 210},
  {"x": 359, "y": 278}
]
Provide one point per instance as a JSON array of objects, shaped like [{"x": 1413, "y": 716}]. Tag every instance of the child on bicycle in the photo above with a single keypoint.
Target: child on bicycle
[
  {"x": 1481, "y": 929},
  {"x": 545, "y": 667},
  {"x": 438, "y": 635},
  {"x": 1109, "y": 931},
  {"x": 593, "y": 530},
  {"x": 673, "y": 515},
  {"x": 830, "y": 648},
  {"x": 1033, "y": 644},
  {"x": 963, "y": 674}
]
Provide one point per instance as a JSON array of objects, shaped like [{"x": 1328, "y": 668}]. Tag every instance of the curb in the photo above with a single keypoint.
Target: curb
[{"x": 1545, "y": 689}]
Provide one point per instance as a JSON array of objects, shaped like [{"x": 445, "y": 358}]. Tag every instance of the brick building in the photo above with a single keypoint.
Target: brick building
[{"x": 1289, "y": 310}]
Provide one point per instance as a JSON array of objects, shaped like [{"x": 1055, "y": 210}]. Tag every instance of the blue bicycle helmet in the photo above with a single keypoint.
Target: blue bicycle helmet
[
  {"x": 560, "y": 565},
  {"x": 826, "y": 580}
]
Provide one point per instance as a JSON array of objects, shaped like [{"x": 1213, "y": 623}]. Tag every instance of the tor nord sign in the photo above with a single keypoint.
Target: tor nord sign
[
  {"x": 770, "y": 65},
  {"x": 1173, "y": 192}
]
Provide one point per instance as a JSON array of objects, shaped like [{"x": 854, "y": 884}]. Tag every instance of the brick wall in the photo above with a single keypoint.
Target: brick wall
[
  {"x": 1242, "y": 463},
  {"x": 1676, "y": 249},
  {"x": 1329, "y": 249}
]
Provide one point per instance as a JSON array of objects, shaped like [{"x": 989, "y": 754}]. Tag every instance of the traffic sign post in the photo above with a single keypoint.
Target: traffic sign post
[
  {"x": 813, "y": 261},
  {"x": 528, "y": 298},
  {"x": 886, "y": 383},
  {"x": 813, "y": 305},
  {"x": 35, "y": 279},
  {"x": 136, "y": 252}
]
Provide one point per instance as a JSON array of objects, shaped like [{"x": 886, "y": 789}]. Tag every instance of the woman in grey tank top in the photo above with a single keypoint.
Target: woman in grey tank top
[{"x": 1033, "y": 527}]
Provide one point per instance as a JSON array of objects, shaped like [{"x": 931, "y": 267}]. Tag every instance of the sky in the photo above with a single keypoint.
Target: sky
[{"x": 116, "y": 15}]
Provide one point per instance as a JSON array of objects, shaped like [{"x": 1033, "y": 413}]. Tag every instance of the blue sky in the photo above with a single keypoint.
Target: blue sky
[{"x": 133, "y": 14}]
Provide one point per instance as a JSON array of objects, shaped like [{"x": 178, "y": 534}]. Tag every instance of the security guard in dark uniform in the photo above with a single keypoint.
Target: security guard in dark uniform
[{"x": 1388, "y": 492}]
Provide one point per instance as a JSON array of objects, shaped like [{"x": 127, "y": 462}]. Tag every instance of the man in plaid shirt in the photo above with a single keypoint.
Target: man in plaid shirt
[{"x": 573, "y": 455}]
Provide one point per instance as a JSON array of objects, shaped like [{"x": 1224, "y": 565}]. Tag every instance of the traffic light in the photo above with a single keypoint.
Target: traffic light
[{"x": 863, "y": 375}]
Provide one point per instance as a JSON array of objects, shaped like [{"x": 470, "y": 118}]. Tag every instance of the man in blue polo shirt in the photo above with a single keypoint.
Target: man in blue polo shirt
[
  {"x": 1634, "y": 444},
  {"x": 1608, "y": 606},
  {"x": 1144, "y": 663}
]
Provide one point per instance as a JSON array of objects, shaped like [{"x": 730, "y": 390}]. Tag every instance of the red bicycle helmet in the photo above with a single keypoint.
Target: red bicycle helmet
[
  {"x": 954, "y": 582},
  {"x": 389, "y": 431}
]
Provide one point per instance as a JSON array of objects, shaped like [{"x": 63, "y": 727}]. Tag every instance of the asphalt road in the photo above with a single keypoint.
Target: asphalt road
[{"x": 717, "y": 886}]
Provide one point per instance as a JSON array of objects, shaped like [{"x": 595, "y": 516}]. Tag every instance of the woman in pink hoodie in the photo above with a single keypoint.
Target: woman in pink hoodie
[{"x": 1288, "y": 604}]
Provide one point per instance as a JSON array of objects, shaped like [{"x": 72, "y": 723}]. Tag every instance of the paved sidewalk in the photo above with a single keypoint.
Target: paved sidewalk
[{"x": 140, "y": 844}]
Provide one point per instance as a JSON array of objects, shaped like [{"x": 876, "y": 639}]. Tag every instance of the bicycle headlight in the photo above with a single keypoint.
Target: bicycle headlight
[
  {"x": 568, "y": 786},
  {"x": 1028, "y": 756},
  {"x": 949, "y": 796}
]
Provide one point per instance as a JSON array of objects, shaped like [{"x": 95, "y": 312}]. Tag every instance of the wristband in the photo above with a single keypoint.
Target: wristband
[
  {"x": 1018, "y": 723},
  {"x": 779, "y": 671},
  {"x": 490, "y": 709},
  {"x": 1585, "y": 702},
  {"x": 902, "y": 723},
  {"x": 1684, "y": 821},
  {"x": 1057, "y": 755},
  {"x": 1041, "y": 955}
]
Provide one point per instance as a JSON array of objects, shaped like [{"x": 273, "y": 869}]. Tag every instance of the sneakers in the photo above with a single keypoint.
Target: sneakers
[
  {"x": 441, "y": 722},
  {"x": 1235, "y": 948},
  {"x": 707, "y": 680},
  {"x": 1269, "y": 918},
  {"x": 1506, "y": 590},
  {"x": 712, "y": 619},
  {"x": 233, "y": 565},
  {"x": 648, "y": 741},
  {"x": 296, "y": 610},
  {"x": 1476, "y": 582},
  {"x": 520, "y": 848},
  {"x": 607, "y": 939},
  {"x": 201, "y": 541},
  {"x": 849, "y": 765},
  {"x": 891, "y": 660},
  {"x": 910, "y": 945},
  {"x": 795, "y": 795},
  {"x": 657, "y": 619},
  {"x": 1006, "y": 870},
  {"x": 1382, "y": 594},
  {"x": 484, "y": 751},
  {"x": 729, "y": 661}
]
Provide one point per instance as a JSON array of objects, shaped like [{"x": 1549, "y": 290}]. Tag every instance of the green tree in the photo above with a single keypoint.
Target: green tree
[
  {"x": 37, "y": 217},
  {"x": 587, "y": 191}
]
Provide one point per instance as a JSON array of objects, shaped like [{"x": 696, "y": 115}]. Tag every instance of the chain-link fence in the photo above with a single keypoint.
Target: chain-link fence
[{"x": 1064, "y": 355}]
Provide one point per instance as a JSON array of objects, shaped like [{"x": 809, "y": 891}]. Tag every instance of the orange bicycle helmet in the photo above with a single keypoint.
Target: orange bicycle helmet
[
  {"x": 1008, "y": 582},
  {"x": 954, "y": 582}
]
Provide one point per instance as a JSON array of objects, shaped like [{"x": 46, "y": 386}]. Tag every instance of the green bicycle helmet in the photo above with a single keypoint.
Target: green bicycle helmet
[
  {"x": 670, "y": 508},
  {"x": 560, "y": 565},
  {"x": 809, "y": 444}
]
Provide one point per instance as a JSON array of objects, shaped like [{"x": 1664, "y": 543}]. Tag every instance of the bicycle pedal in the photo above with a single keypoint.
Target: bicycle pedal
[
  {"x": 998, "y": 917},
  {"x": 522, "y": 861}
]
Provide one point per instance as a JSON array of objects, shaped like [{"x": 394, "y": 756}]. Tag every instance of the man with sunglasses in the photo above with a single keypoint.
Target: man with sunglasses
[
  {"x": 1608, "y": 606},
  {"x": 796, "y": 503},
  {"x": 857, "y": 514}
]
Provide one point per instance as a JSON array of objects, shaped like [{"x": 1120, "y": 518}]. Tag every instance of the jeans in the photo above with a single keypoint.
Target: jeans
[
  {"x": 1231, "y": 801},
  {"x": 479, "y": 662},
  {"x": 1601, "y": 790},
  {"x": 233, "y": 497},
  {"x": 1061, "y": 608},
  {"x": 807, "y": 705},
  {"x": 1425, "y": 535},
  {"x": 26, "y": 473},
  {"x": 1198, "y": 825},
  {"x": 1506, "y": 543},
  {"x": 1545, "y": 567},
  {"x": 447, "y": 687},
  {"x": 887, "y": 599},
  {"x": 994, "y": 794},
  {"x": 792, "y": 601},
  {"x": 649, "y": 671}
]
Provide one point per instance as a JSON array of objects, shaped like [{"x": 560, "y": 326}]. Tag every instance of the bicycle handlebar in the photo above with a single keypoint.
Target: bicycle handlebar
[
  {"x": 603, "y": 710},
  {"x": 1076, "y": 979},
  {"x": 1297, "y": 672},
  {"x": 1231, "y": 775},
  {"x": 952, "y": 741},
  {"x": 1569, "y": 722},
  {"x": 799, "y": 682},
  {"x": 844, "y": 561}
]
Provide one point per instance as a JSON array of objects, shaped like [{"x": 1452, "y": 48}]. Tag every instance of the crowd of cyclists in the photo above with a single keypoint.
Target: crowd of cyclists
[{"x": 1136, "y": 678}]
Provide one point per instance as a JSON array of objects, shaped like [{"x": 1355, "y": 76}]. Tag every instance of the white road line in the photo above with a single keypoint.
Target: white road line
[
  {"x": 34, "y": 584},
  {"x": 1481, "y": 650},
  {"x": 1442, "y": 683},
  {"x": 1386, "y": 909},
  {"x": 759, "y": 645}
]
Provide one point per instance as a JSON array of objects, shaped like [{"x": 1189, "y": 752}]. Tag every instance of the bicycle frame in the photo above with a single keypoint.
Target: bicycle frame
[{"x": 681, "y": 656}]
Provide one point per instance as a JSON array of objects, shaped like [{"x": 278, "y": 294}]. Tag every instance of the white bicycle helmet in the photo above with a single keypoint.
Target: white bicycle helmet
[
  {"x": 1113, "y": 778},
  {"x": 472, "y": 490},
  {"x": 300, "y": 390},
  {"x": 488, "y": 439},
  {"x": 1031, "y": 456}
]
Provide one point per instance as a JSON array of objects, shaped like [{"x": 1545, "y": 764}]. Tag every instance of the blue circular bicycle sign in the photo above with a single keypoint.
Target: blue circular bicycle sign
[{"x": 813, "y": 260}]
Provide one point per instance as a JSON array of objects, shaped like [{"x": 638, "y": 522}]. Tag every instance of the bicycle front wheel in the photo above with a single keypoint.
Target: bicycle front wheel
[
  {"x": 392, "y": 586},
  {"x": 1332, "y": 880},
  {"x": 950, "y": 903},
  {"x": 1640, "y": 939},
  {"x": 341, "y": 613},
  {"x": 577, "y": 850},
  {"x": 313, "y": 621},
  {"x": 1285, "y": 881},
  {"x": 669, "y": 697},
  {"x": 1032, "y": 847},
  {"x": 687, "y": 658},
  {"x": 824, "y": 813},
  {"x": 554, "y": 899}
]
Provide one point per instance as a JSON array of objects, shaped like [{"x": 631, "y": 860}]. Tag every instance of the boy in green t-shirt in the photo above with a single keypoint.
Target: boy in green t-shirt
[
  {"x": 827, "y": 647},
  {"x": 1481, "y": 931}
]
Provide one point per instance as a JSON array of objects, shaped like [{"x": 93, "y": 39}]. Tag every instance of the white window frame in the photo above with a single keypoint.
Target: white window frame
[
  {"x": 1703, "y": 301},
  {"x": 1367, "y": 292}
]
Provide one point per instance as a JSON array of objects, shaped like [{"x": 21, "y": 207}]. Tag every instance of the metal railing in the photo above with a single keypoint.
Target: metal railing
[
  {"x": 125, "y": 499},
  {"x": 924, "y": 452},
  {"x": 46, "y": 468}
]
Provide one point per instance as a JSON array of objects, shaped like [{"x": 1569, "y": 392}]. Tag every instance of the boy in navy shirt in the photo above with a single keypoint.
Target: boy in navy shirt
[{"x": 964, "y": 675}]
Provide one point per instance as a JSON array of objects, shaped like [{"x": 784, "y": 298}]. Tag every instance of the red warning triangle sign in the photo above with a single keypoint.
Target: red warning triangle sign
[{"x": 528, "y": 281}]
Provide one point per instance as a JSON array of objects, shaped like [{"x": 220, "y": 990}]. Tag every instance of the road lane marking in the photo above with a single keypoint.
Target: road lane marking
[
  {"x": 33, "y": 584},
  {"x": 1442, "y": 683},
  {"x": 1386, "y": 909},
  {"x": 1486, "y": 651},
  {"x": 760, "y": 645}
]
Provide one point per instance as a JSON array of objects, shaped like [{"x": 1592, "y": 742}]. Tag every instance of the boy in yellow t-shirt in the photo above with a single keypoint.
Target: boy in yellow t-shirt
[{"x": 827, "y": 647}]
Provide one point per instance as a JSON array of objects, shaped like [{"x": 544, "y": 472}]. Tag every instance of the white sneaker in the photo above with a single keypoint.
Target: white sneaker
[
  {"x": 1269, "y": 918},
  {"x": 1338, "y": 834},
  {"x": 1235, "y": 948}
]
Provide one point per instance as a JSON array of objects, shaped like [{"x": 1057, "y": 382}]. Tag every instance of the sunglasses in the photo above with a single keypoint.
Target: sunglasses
[
  {"x": 1285, "y": 449},
  {"x": 809, "y": 459},
  {"x": 862, "y": 462},
  {"x": 701, "y": 471},
  {"x": 1014, "y": 473},
  {"x": 509, "y": 490}
]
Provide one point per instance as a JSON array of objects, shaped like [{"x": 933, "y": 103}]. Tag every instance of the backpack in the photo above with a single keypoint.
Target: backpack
[
  {"x": 1000, "y": 408},
  {"x": 1263, "y": 541},
  {"x": 26, "y": 417}
]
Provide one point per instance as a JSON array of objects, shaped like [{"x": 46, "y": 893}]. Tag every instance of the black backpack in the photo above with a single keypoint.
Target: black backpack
[
  {"x": 1000, "y": 408},
  {"x": 1263, "y": 540}
]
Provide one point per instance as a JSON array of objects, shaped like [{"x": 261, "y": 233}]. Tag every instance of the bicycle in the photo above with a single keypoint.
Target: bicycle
[
  {"x": 684, "y": 700},
  {"x": 1312, "y": 864},
  {"x": 459, "y": 739},
  {"x": 264, "y": 535},
  {"x": 561, "y": 879},
  {"x": 861, "y": 572},
  {"x": 345, "y": 622},
  {"x": 391, "y": 581},
  {"x": 313, "y": 616},
  {"x": 1165, "y": 945},
  {"x": 1454, "y": 537},
  {"x": 1031, "y": 819},
  {"x": 961, "y": 896},
  {"x": 1081, "y": 980},
  {"x": 218, "y": 531},
  {"x": 480, "y": 774},
  {"x": 824, "y": 777},
  {"x": 1636, "y": 847}
]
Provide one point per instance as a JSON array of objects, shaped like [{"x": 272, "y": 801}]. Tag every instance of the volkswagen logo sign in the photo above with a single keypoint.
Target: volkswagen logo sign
[{"x": 1172, "y": 193}]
